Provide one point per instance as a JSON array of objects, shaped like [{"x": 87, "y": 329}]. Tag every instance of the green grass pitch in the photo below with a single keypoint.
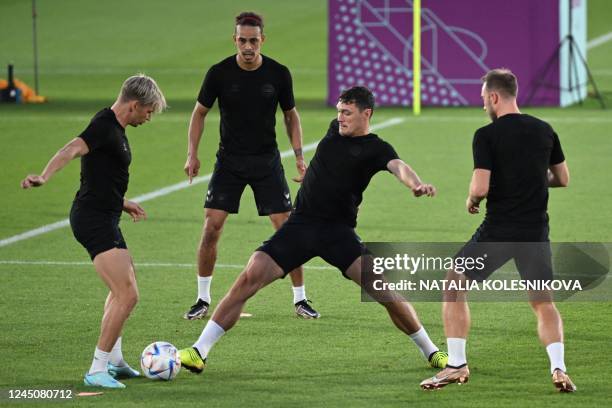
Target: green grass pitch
[{"x": 352, "y": 356}]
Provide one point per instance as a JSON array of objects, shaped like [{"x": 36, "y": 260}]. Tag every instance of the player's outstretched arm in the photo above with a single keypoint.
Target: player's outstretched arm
[
  {"x": 294, "y": 132},
  {"x": 75, "y": 148},
  {"x": 410, "y": 179},
  {"x": 558, "y": 175},
  {"x": 479, "y": 188},
  {"x": 196, "y": 127}
]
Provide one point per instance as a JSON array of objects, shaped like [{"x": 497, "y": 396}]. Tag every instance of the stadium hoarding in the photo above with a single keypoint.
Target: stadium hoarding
[
  {"x": 490, "y": 272},
  {"x": 370, "y": 44}
]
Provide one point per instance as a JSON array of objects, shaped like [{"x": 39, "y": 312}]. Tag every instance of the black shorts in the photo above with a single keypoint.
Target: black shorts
[
  {"x": 96, "y": 230},
  {"x": 264, "y": 173},
  {"x": 301, "y": 238},
  {"x": 529, "y": 246}
]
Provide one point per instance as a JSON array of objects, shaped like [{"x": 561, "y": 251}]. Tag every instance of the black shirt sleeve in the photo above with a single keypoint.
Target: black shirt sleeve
[
  {"x": 556, "y": 155},
  {"x": 97, "y": 134},
  {"x": 385, "y": 155},
  {"x": 481, "y": 150},
  {"x": 285, "y": 97},
  {"x": 209, "y": 90}
]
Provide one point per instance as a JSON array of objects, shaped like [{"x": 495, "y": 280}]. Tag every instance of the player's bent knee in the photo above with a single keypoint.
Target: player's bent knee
[
  {"x": 453, "y": 295},
  {"x": 245, "y": 287},
  {"x": 262, "y": 268},
  {"x": 213, "y": 226},
  {"x": 134, "y": 297},
  {"x": 128, "y": 296},
  {"x": 131, "y": 301},
  {"x": 212, "y": 232}
]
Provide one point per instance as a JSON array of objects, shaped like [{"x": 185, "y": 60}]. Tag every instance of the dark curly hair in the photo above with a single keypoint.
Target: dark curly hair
[{"x": 360, "y": 96}]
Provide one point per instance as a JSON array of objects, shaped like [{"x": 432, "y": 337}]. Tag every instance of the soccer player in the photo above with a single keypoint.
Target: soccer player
[
  {"x": 249, "y": 86},
  {"x": 322, "y": 224},
  {"x": 517, "y": 158},
  {"x": 94, "y": 217}
]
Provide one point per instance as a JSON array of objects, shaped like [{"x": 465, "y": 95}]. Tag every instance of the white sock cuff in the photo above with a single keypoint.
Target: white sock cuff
[
  {"x": 418, "y": 333},
  {"x": 556, "y": 355},
  {"x": 215, "y": 326},
  {"x": 116, "y": 355},
  {"x": 210, "y": 335},
  {"x": 299, "y": 293},
  {"x": 423, "y": 342},
  {"x": 456, "y": 351},
  {"x": 204, "y": 288},
  {"x": 99, "y": 362}
]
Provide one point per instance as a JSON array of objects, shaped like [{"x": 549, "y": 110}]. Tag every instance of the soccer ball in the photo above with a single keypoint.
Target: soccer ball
[{"x": 160, "y": 361}]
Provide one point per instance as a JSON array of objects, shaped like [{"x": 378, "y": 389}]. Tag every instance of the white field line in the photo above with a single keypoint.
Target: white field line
[
  {"x": 602, "y": 39},
  {"x": 601, "y": 72},
  {"x": 168, "y": 190},
  {"x": 137, "y": 264}
]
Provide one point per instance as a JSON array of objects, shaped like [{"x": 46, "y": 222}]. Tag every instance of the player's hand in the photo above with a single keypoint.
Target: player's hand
[
  {"x": 134, "y": 210},
  {"x": 192, "y": 167},
  {"x": 301, "y": 166},
  {"x": 33, "y": 181},
  {"x": 424, "y": 189},
  {"x": 472, "y": 207}
]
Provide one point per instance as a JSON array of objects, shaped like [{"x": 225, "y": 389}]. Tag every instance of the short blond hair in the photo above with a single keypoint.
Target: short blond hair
[{"x": 143, "y": 89}]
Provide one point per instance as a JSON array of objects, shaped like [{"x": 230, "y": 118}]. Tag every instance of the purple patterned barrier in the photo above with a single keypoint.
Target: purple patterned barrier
[{"x": 370, "y": 44}]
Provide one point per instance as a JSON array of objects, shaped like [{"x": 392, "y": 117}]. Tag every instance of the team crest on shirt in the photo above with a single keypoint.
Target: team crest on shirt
[{"x": 267, "y": 90}]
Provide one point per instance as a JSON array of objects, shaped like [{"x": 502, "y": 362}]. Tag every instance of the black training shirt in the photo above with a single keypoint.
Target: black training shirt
[
  {"x": 339, "y": 173},
  {"x": 104, "y": 169},
  {"x": 247, "y": 103},
  {"x": 518, "y": 149}
]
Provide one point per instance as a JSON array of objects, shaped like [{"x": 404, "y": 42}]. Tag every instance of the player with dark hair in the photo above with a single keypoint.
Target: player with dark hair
[
  {"x": 322, "y": 224},
  {"x": 249, "y": 87},
  {"x": 517, "y": 158},
  {"x": 249, "y": 18},
  {"x": 94, "y": 217}
]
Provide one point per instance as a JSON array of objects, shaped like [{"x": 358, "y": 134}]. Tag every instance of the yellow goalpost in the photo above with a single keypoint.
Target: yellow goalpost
[{"x": 416, "y": 57}]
